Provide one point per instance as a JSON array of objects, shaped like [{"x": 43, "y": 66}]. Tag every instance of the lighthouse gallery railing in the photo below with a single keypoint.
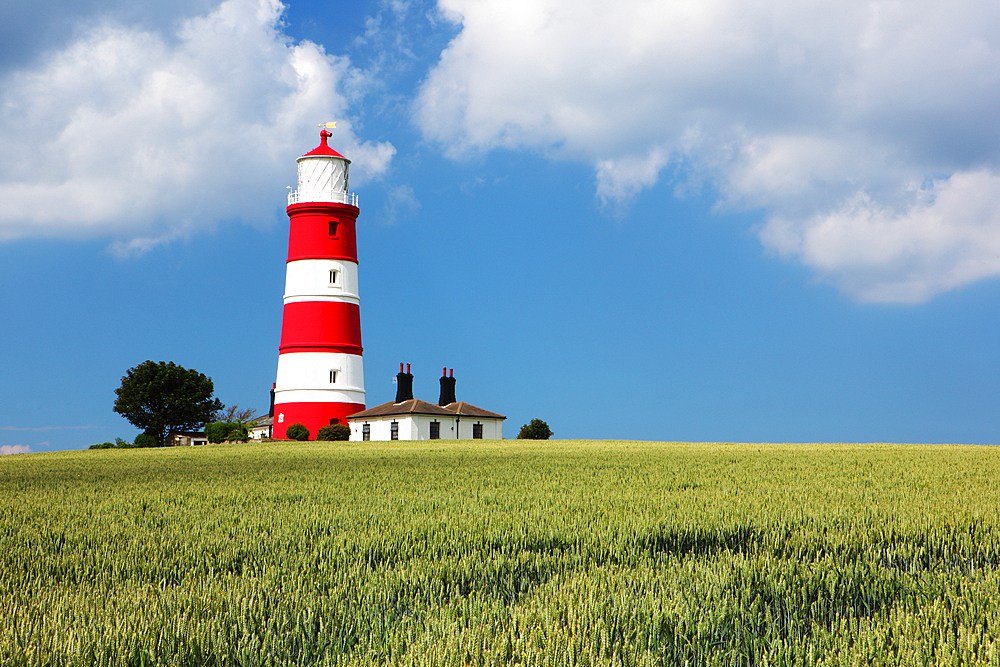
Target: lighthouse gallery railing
[{"x": 338, "y": 197}]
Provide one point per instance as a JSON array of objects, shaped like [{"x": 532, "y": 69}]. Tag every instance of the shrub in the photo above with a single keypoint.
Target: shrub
[
  {"x": 216, "y": 431},
  {"x": 238, "y": 432},
  {"x": 536, "y": 430},
  {"x": 223, "y": 431},
  {"x": 145, "y": 440},
  {"x": 297, "y": 431},
  {"x": 334, "y": 432},
  {"x": 103, "y": 445}
]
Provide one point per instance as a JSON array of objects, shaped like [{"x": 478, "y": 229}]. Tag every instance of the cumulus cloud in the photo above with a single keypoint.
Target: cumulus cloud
[
  {"x": 855, "y": 126},
  {"x": 144, "y": 137},
  {"x": 14, "y": 449},
  {"x": 947, "y": 237}
]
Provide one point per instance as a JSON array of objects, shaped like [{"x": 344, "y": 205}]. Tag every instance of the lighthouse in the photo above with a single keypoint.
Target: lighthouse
[{"x": 320, "y": 378}]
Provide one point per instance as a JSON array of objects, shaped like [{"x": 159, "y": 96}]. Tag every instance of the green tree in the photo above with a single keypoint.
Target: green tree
[
  {"x": 216, "y": 431},
  {"x": 163, "y": 398},
  {"x": 238, "y": 432},
  {"x": 536, "y": 430}
]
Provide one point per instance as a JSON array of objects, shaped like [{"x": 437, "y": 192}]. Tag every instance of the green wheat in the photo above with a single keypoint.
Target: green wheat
[{"x": 500, "y": 553}]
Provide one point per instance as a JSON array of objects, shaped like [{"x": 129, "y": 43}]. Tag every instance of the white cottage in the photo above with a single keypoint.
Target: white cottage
[{"x": 408, "y": 418}]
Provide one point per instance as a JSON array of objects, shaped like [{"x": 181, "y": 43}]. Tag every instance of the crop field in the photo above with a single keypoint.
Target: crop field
[{"x": 501, "y": 553}]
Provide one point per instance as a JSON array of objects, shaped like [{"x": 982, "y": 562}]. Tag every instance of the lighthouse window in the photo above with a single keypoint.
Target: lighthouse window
[
  {"x": 333, "y": 228},
  {"x": 435, "y": 430},
  {"x": 394, "y": 431},
  {"x": 334, "y": 276},
  {"x": 333, "y": 377}
]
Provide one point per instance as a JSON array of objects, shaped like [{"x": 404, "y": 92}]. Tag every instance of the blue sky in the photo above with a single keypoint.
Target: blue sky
[{"x": 727, "y": 221}]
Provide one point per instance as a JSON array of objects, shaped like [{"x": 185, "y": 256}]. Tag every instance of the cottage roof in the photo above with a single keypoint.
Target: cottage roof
[
  {"x": 415, "y": 406},
  {"x": 464, "y": 409}
]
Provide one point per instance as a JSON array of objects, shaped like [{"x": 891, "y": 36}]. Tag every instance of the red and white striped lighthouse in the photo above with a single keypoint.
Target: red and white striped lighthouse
[{"x": 320, "y": 377}]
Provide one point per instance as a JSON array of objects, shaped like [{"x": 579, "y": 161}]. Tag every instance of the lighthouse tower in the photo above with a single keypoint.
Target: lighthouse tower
[{"x": 320, "y": 377}]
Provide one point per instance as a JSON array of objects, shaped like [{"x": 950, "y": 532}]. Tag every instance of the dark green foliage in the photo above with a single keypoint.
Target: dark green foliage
[
  {"x": 536, "y": 430},
  {"x": 238, "y": 432},
  {"x": 161, "y": 397},
  {"x": 334, "y": 432},
  {"x": 227, "y": 431},
  {"x": 297, "y": 432},
  {"x": 141, "y": 440},
  {"x": 216, "y": 431}
]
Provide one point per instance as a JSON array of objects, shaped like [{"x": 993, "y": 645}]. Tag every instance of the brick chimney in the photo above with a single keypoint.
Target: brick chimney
[
  {"x": 447, "y": 387},
  {"x": 404, "y": 384}
]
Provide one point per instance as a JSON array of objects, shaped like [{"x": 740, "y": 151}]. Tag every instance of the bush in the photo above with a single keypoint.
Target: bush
[
  {"x": 223, "y": 431},
  {"x": 238, "y": 432},
  {"x": 334, "y": 432},
  {"x": 297, "y": 431},
  {"x": 216, "y": 431},
  {"x": 141, "y": 440},
  {"x": 536, "y": 430}
]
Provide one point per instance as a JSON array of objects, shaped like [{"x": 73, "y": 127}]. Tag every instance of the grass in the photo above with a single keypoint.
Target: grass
[{"x": 482, "y": 553}]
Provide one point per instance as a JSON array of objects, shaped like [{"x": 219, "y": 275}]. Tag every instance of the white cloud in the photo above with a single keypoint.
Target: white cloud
[
  {"x": 14, "y": 449},
  {"x": 143, "y": 138},
  {"x": 947, "y": 237},
  {"x": 801, "y": 109}
]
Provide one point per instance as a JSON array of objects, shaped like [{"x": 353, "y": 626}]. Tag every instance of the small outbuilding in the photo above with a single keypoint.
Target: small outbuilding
[
  {"x": 260, "y": 428},
  {"x": 187, "y": 439}
]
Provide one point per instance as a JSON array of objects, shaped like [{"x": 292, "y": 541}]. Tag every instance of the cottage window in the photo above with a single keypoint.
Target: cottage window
[
  {"x": 394, "y": 431},
  {"x": 366, "y": 432},
  {"x": 477, "y": 431},
  {"x": 435, "y": 430}
]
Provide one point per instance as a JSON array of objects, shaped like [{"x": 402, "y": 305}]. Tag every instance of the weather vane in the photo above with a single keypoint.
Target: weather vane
[{"x": 329, "y": 126}]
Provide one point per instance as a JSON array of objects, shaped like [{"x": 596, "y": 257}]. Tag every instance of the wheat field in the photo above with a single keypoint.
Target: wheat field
[{"x": 500, "y": 553}]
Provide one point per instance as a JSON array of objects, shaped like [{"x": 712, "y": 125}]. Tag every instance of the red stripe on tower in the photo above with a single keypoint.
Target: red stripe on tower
[{"x": 320, "y": 375}]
